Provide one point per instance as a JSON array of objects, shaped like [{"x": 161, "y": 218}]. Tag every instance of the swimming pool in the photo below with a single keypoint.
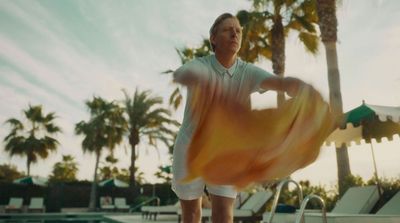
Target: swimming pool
[
  {"x": 55, "y": 218},
  {"x": 53, "y": 221}
]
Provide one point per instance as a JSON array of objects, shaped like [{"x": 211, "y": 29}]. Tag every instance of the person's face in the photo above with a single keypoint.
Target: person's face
[{"x": 228, "y": 36}]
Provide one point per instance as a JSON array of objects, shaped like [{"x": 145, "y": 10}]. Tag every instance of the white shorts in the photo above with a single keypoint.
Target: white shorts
[{"x": 194, "y": 189}]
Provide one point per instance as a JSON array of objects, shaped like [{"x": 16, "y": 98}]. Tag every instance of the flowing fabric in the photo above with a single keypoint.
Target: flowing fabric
[{"x": 234, "y": 145}]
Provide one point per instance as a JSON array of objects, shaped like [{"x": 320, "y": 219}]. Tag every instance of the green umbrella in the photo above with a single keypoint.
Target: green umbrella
[
  {"x": 166, "y": 169},
  {"x": 376, "y": 121},
  {"x": 367, "y": 122},
  {"x": 113, "y": 183},
  {"x": 39, "y": 181},
  {"x": 357, "y": 115}
]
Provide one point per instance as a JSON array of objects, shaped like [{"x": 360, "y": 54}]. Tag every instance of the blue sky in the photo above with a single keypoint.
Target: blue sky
[{"x": 61, "y": 53}]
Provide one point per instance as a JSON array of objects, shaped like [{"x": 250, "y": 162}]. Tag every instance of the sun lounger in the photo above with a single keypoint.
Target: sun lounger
[
  {"x": 149, "y": 211},
  {"x": 106, "y": 204},
  {"x": 392, "y": 207},
  {"x": 14, "y": 205},
  {"x": 241, "y": 198},
  {"x": 356, "y": 200},
  {"x": 120, "y": 204},
  {"x": 36, "y": 205},
  {"x": 389, "y": 213},
  {"x": 249, "y": 211}
]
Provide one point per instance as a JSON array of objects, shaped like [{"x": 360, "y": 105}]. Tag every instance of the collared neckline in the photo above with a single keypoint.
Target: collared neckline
[{"x": 221, "y": 69}]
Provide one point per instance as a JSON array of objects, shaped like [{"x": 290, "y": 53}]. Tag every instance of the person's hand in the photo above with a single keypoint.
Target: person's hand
[{"x": 294, "y": 85}]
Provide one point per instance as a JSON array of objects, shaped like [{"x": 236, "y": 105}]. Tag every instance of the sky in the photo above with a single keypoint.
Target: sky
[{"x": 61, "y": 53}]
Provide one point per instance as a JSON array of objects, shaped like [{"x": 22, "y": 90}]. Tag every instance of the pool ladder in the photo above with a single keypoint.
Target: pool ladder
[
  {"x": 278, "y": 193},
  {"x": 300, "y": 216},
  {"x": 302, "y": 203}
]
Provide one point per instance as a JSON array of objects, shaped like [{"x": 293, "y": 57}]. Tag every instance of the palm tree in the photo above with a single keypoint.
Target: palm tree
[
  {"x": 255, "y": 41},
  {"x": 146, "y": 119},
  {"x": 32, "y": 138},
  {"x": 105, "y": 129},
  {"x": 65, "y": 170},
  {"x": 279, "y": 17},
  {"x": 328, "y": 25},
  {"x": 108, "y": 169}
]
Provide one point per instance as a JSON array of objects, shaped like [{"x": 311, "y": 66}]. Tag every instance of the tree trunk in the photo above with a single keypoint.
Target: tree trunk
[
  {"x": 132, "y": 181},
  {"x": 278, "y": 53},
  {"x": 28, "y": 165},
  {"x": 342, "y": 160},
  {"x": 327, "y": 22},
  {"x": 335, "y": 99},
  {"x": 92, "y": 202},
  {"x": 133, "y": 141}
]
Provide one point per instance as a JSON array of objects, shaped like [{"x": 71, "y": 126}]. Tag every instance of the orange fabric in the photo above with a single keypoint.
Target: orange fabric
[{"x": 236, "y": 146}]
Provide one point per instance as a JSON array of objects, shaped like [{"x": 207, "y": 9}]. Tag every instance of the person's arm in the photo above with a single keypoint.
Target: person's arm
[
  {"x": 189, "y": 73},
  {"x": 187, "y": 78},
  {"x": 290, "y": 85}
]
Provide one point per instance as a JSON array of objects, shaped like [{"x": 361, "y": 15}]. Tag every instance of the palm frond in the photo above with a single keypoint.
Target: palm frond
[
  {"x": 175, "y": 99},
  {"x": 310, "y": 41},
  {"x": 302, "y": 20},
  {"x": 168, "y": 71},
  {"x": 25, "y": 143},
  {"x": 15, "y": 124}
]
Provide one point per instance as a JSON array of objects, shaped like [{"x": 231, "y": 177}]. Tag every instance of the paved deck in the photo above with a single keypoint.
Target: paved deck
[{"x": 137, "y": 218}]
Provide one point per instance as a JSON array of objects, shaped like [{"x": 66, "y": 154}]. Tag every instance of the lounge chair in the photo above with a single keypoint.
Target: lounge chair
[
  {"x": 120, "y": 204},
  {"x": 36, "y": 205},
  {"x": 252, "y": 207},
  {"x": 106, "y": 204},
  {"x": 240, "y": 199},
  {"x": 14, "y": 205},
  {"x": 392, "y": 207},
  {"x": 356, "y": 200},
  {"x": 390, "y": 212},
  {"x": 148, "y": 211},
  {"x": 248, "y": 211}
]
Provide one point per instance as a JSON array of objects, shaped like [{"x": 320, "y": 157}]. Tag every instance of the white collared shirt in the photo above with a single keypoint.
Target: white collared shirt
[
  {"x": 240, "y": 80},
  {"x": 219, "y": 68}
]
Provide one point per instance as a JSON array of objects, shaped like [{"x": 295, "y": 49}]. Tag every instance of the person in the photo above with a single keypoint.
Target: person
[{"x": 237, "y": 79}]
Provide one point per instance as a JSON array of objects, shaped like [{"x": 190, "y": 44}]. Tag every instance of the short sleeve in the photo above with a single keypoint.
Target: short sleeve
[
  {"x": 194, "y": 68},
  {"x": 258, "y": 75}
]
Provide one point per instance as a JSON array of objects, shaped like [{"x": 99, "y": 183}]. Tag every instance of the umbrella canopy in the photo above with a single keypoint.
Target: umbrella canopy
[
  {"x": 167, "y": 169},
  {"x": 40, "y": 181},
  {"x": 113, "y": 183},
  {"x": 367, "y": 122}
]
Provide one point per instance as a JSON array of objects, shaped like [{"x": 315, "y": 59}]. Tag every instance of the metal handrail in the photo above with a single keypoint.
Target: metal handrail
[
  {"x": 157, "y": 199},
  {"x": 300, "y": 218},
  {"x": 278, "y": 193}
]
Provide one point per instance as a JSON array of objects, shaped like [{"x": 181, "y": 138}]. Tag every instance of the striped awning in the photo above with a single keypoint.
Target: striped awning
[{"x": 365, "y": 123}]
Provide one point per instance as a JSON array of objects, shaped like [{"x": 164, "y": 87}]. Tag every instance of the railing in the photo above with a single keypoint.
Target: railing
[
  {"x": 300, "y": 218},
  {"x": 278, "y": 193}
]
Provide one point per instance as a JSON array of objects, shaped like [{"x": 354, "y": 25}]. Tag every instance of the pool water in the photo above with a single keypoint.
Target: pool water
[
  {"x": 52, "y": 221},
  {"x": 54, "y": 218}
]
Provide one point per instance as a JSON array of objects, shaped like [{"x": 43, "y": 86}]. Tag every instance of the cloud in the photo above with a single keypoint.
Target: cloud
[{"x": 60, "y": 53}]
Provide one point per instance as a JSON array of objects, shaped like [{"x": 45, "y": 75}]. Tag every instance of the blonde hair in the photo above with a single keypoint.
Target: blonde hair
[{"x": 217, "y": 22}]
